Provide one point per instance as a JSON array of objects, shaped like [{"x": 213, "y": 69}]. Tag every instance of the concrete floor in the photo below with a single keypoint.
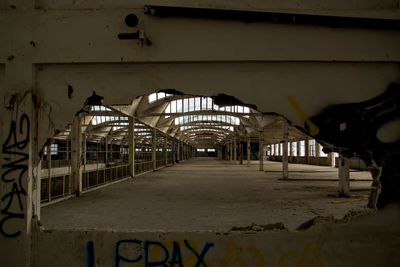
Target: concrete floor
[{"x": 207, "y": 194}]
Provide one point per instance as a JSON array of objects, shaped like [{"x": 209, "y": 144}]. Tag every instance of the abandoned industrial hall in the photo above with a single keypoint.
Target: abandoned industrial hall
[{"x": 199, "y": 133}]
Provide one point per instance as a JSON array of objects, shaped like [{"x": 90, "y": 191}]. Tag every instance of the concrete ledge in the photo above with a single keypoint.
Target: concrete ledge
[{"x": 367, "y": 240}]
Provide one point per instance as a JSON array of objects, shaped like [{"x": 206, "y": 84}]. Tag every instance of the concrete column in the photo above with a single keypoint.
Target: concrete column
[
  {"x": 132, "y": 146},
  {"x": 234, "y": 150},
  {"x": 344, "y": 177},
  {"x": 261, "y": 151},
  {"x": 317, "y": 148},
  {"x": 248, "y": 152},
  {"x": 285, "y": 165},
  {"x": 154, "y": 149},
  {"x": 331, "y": 159},
  {"x": 76, "y": 154},
  {"x": 20, "y": 183}
]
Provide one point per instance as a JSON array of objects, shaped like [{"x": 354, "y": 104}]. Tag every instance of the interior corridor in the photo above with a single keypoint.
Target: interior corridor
[{"x": 205, "y": 194}]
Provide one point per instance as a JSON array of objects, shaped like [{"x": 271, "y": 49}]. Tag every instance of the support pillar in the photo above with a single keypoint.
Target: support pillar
[
  {"x": 285, "y": 163},
  {"x": 344, "y": 177},
  {"x": 76, "y": 155},
  {"x": 20, "y": 173},
  {"x": 331, "y": 159},
  {"x": 248, "y": 151},
  {"x": 317, "y": 148},
  {"x": 132, "y": 146},
  {"x": 261, "y": 151},
  {"x": 48, "y": 159}
]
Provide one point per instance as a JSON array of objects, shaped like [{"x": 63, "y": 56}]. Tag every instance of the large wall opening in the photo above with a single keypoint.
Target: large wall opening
[{"x": 230, "y": 168}]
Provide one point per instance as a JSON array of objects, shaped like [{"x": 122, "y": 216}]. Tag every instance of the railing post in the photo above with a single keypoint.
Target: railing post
[
  {"x": 154, "y": 149},
  {"x": 48, "y": 159},
  {"x": 76, "y": 145},
  {"x": 132, "y": 146}
]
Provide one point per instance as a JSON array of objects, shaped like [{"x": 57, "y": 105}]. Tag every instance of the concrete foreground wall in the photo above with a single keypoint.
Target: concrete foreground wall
[
  {"x": 368, "y": 240},
  {"x": 55, "y": 53}
]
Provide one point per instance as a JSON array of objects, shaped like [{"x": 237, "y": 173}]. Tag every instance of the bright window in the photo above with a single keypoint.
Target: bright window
[
  {"x": 302, "y": 148},
  {"x": 321, "y": 153},
  {"x": 294, "y": 149},
  {"x": 311, "y": 148}
]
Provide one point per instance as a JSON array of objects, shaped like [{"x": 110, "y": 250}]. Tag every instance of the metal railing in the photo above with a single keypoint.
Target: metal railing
[
  {"x": 61, "y": 185},
  {"x": 143, "y": 166},
  {"x": 98, "y": 177}
]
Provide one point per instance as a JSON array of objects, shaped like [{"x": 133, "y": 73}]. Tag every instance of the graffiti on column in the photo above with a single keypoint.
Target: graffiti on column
[{"x": 14, "y": 168}]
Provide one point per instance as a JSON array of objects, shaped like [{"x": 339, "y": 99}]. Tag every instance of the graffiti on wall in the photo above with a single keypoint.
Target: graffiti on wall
[
  {"x": 150, "y": 253},
  {"x": 14, "y": 170},
  {"x": 188, "y": 253}
]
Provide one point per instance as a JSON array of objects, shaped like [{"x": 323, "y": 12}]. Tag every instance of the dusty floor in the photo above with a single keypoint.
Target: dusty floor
[{"x": 207, "y": 194}]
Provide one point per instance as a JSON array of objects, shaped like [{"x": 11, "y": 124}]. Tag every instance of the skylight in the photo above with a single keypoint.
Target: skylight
[
  {"x": 96, "y": 120},
  {"x": 201, "y": 104},
  {"x": 158, "y": 96},
  {"x": 200, "y": 118}
]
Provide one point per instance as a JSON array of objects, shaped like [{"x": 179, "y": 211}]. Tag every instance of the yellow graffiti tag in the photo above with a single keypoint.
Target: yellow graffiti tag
[
  {"x": 236, "y": 257},
  {"x": 314, "y": 130},
  {"x": 310, "y": 257}
]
